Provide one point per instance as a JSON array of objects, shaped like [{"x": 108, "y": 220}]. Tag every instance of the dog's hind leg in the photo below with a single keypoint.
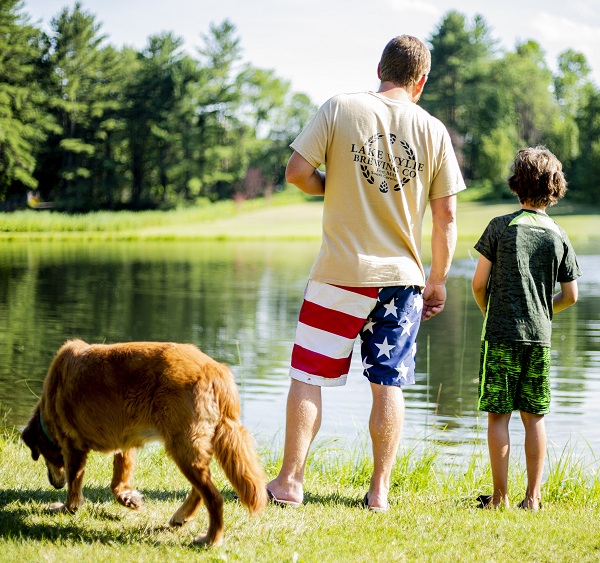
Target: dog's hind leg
[
  {"x": 187, "y": 510},
  {"x": 197, "y": 473},
  {"x": 123, "y": 465}
]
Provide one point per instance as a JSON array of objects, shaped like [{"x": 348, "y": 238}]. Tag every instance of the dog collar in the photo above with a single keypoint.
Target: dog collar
[{"x": 46, "y": 433}]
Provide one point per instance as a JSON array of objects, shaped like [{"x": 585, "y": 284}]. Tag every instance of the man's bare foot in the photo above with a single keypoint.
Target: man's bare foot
[{"x": 288, "y": 496}]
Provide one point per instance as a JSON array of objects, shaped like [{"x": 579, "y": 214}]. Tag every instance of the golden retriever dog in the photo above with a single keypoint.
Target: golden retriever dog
[{"x": 116, "y": 397}]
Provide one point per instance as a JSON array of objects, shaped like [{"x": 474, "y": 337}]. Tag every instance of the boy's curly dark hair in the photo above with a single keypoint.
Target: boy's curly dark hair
[{"x": 537, "y": 177}]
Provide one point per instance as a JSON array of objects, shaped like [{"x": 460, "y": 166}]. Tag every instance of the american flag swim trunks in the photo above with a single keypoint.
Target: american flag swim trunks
[{"x": 332, "y": 317}]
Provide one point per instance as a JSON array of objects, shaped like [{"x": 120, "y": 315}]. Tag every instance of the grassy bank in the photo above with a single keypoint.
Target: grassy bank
[
  {"x": 432, "y": 515},
  {"x": 45, "y": 224},
  {"x": 285, "y": 216}
]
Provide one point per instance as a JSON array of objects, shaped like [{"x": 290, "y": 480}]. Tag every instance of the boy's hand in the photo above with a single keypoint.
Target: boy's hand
[{"x": 434, "y": 299}]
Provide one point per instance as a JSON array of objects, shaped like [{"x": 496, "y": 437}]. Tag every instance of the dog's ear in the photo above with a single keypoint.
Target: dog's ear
[{"x": 30, "y": 436}]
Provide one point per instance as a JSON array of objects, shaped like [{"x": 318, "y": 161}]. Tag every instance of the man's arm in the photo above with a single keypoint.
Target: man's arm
[
  {"x": 568, "y": 294},
  {"x": 480, "y": 283},
  {"x": 443, "y": 244},
  {"x": 304, "y": 175}
]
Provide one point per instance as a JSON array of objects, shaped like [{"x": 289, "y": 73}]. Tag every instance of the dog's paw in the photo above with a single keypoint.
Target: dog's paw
[
  {"x": 177, "y": 520},
  {"x": 130, "y": 499},
  {"x": 181, "y": 517},
  {"x": 60, "y": 508},
  {"x": 208, "y": 542}
]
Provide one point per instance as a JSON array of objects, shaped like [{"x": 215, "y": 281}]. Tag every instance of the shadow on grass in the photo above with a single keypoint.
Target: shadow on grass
[
  {"x": 332, "y": 499},
  {"x": 21, "y": 510}
]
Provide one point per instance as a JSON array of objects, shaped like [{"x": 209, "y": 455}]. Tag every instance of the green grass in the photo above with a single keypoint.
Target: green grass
[
  {"x": 125, "y": 224},
  {"x": 285, "y": 216},
  {"x": 432, "y": 517}
]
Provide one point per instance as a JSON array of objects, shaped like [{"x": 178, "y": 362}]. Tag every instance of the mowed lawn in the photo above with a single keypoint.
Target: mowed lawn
[
  {"x": 287, "y": 216},
  {"x": 302, "y": 221}
]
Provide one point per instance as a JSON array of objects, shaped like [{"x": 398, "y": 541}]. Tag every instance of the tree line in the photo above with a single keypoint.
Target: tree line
[
  {"x": 87, "y": 126},
  {"x": 494, "y": 103}
]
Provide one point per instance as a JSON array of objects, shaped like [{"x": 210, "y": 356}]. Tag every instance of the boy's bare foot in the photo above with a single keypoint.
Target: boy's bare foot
[{"x": 530, "y": 504}]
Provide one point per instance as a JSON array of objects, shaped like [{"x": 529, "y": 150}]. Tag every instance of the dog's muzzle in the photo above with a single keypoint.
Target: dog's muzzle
[{"x": 56, "y": 476}]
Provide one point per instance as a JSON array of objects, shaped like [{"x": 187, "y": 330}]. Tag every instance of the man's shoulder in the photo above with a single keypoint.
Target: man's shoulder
[
  {"x": 424, "y": 114},
  {"x": 349, "y": 98}
]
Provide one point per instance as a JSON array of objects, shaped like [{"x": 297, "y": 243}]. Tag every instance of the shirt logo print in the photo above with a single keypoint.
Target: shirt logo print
[{"x": 387, "y": 169}]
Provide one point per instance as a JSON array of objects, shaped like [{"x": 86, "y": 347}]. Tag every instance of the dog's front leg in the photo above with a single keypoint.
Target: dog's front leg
[
  {"x": 123, "y": 465},
  {"x": 74, "y": 469}
]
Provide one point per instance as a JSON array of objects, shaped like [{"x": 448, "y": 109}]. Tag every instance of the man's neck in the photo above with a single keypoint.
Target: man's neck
[{"x": 395, "y": 92}]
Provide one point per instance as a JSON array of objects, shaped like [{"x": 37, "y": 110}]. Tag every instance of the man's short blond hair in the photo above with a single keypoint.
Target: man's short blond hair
[{"x": 405, "y": 59}]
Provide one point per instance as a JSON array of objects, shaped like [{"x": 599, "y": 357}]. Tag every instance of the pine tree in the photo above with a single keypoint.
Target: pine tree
[
  {"x": 23, "y": 122},
  {"x": 83, "y": 81}
]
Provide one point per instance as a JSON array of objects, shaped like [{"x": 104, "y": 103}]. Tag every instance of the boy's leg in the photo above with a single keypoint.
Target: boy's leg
[
  {"x": 499, "y": 448},
  {"x": 535, "y": 454},
  {"x": 534, "y": 402},
  {"x": 385, "y": 427},
  {"x": 303, "y": 419}
]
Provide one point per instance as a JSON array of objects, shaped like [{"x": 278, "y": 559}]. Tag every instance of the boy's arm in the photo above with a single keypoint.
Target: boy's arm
[
  {"x": 480, "y": 282},
  {"x": 566, "y": 296},
  {"x": 304, "y": 175}
]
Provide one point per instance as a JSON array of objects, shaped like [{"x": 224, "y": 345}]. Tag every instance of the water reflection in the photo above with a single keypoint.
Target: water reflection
[{"x": 239, "y": 303}]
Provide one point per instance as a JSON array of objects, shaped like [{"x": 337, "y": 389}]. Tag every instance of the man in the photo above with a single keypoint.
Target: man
[{"x": 385, "y": 159}]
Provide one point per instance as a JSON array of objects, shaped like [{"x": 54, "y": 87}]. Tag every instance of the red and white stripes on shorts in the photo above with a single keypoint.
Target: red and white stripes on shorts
[{"x": 330, "y": 319}]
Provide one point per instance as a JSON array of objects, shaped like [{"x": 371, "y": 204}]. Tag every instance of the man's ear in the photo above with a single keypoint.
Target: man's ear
[{"x": 417, "y": 89}]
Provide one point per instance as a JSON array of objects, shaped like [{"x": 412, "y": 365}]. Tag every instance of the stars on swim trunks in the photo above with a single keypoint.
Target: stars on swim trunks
[
  {"x": 418, "y": 303},
  {"x": 402, "y": 370},
  {"x": 406, "y": 325},
  {"x": 391, "y": 309},
  {"x": 369, "y": 326},
  {"x": 384, "y": 348}
]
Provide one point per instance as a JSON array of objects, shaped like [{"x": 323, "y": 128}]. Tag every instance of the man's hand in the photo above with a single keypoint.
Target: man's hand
[{"x": 434, "y": 298}]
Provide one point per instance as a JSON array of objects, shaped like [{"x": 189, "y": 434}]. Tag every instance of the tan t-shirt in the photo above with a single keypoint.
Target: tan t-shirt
[{"x": 384, "y": 160}]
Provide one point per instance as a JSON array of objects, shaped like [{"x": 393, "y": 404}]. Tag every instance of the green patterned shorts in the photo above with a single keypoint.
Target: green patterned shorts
[{"x": 514, "y": 377}]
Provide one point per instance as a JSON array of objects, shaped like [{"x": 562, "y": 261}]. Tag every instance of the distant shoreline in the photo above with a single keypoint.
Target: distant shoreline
[{"x": 284, "y": 219}]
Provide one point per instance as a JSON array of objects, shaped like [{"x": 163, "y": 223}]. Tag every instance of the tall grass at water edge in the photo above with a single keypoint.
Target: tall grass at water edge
[
  {"x": 47, "y": 221},
  {"x": 432, "y": 515},
  {"x": 284, "y": 216}
]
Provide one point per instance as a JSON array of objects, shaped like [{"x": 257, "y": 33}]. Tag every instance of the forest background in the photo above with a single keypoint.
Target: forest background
[{"x": 85, "y": 126}]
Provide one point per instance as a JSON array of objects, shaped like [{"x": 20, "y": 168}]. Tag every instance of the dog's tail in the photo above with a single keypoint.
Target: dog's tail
[{"x": 234, "y": 449}]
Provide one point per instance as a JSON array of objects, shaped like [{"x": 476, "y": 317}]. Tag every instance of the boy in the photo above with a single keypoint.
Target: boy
[{"x": 523, "y": 255}]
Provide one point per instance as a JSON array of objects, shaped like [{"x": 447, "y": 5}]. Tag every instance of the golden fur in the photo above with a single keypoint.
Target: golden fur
[{"x": 114, "y": 398}]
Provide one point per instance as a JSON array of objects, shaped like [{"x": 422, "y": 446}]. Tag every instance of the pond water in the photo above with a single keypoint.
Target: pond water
[{"x": 239, "y": 303}]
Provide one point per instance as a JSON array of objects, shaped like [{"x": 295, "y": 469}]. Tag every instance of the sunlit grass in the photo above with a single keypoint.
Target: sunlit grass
[
  {"x": 432, "y": 515},
  {"x": 52, "y": 222}
]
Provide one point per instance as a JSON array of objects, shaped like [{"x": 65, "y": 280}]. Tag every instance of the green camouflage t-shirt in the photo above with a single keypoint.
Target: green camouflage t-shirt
[{"x": 529, "y": 254}]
